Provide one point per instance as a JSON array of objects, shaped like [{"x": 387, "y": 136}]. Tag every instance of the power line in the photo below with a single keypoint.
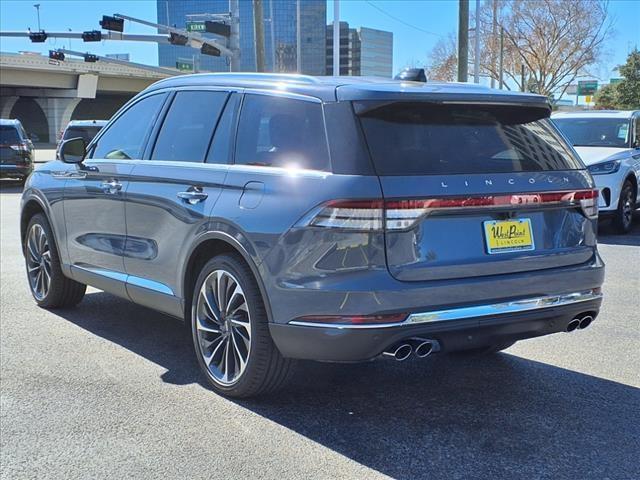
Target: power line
[{"x": 402, "y": 21}]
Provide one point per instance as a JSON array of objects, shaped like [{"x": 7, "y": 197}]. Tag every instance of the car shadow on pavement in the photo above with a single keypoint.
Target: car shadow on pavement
[
  {"x": 607, "y": 235},
  {"x": 500, "y": 416}
]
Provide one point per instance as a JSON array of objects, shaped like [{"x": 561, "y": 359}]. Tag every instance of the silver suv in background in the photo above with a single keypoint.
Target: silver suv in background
[
  {"x": 289, "y": 217},
  {"x": 85, "y": 129},
  {"x": 608, "y": 142}
]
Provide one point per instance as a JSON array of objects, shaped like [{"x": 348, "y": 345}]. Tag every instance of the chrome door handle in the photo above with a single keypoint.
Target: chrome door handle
[
  {"x": 193, "y": 196},
  {"x": 112, "y": 186}
]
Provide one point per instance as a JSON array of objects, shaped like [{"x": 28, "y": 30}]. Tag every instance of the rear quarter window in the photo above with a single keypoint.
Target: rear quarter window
[
  {"x": 9, "y": 135},
  {"x": 413, "y": 138},
  {"x": 276, "y": 131}
]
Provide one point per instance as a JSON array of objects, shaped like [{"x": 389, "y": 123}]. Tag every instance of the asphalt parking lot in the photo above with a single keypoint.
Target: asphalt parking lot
[{"x": 110, "y": 390}]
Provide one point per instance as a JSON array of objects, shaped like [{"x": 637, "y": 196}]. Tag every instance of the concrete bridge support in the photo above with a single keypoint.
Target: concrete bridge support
[{"x": 58, "y": 112}]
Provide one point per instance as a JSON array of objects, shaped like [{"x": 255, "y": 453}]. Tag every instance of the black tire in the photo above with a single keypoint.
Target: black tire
[
  {"x": 488, "y": 350},
  {"x": 63, "y": 292},
  {"x": 266, "y": 370},
  {"x": 623, "y": 219}
]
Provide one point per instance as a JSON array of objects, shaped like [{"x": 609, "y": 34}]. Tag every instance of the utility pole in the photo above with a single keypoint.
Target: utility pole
[
  {"x": 258, "y": 34},
  {"x": 476, "y": 60},
  {"x": 273, "y": 37},
  {"x": 494, "y": 28},
  {"x": 298, "y": 38},
  {"x": 37, "y": 7},
  {"x": 522, "y": 79},
  {"x": 501, "y": 67},
  {"x": 463, "y": 40},
  {"x": 234, "y": 38},
  {"x": 336, "y": 38}
]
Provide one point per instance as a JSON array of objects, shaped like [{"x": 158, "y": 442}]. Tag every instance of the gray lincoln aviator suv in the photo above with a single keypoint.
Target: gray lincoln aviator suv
[{"x": 289, "y": 217}]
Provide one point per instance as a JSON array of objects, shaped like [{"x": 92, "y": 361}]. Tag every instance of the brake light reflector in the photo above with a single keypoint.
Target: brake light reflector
[{"x": 352, "y": 319}]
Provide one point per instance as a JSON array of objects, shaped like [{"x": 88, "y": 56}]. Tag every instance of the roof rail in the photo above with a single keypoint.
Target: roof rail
[{"x": 281, "y": 77}]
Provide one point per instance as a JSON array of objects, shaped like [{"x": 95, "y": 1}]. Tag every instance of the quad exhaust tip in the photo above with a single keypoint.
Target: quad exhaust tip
[
  {"x": 400, "y": 351},
  {"x": 580, "y": 322}
]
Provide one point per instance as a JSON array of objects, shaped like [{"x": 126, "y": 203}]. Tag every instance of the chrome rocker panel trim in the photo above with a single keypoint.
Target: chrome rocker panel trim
[{"x": 461, "y": 313}]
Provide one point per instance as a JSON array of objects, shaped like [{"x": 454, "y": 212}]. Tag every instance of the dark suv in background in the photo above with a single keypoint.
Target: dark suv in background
[
  {"x": 16, "y": 151},
  {"x": 335, "y": 219}
]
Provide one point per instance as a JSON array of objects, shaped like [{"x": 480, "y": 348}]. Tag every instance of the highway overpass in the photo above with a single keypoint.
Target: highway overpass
[{"x": 45, "y": 94}]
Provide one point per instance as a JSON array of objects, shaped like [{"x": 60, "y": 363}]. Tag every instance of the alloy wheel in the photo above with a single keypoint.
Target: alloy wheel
[
  {"x": 223, "y": 327},
  {"x": 627, "y": 207},
  {"x": 38, "y": 261}
]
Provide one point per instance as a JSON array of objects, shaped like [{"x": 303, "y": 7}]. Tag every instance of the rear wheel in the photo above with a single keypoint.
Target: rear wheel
[
  {"x": 49, "y": 286},
  {"x": 623, "y": 219},
  {"x": 230, "y": 331}
]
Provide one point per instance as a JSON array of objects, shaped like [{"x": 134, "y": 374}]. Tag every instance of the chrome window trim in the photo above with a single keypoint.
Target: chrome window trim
[
  {"x": 282, "y": 93},
  {"x": 476, "y": 311},
  {"x": 127, "y": 279}
]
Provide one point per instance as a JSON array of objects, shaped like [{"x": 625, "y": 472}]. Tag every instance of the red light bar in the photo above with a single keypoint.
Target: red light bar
[{"x": 354, "y": 319}]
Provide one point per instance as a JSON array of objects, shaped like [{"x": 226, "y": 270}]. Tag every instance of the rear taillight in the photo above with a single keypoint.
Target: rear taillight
[
  {"x": 368, "y": 215},
  {"x": 392, "y": 318},
  {"x": 20, "y": 147}
]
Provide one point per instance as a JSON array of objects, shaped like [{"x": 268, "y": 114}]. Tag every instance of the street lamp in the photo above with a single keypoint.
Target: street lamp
[{"x": 37, "y": 7}]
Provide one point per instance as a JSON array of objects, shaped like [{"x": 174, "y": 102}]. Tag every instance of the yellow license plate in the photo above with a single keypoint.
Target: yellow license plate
[{"x": 503, "y": 236}]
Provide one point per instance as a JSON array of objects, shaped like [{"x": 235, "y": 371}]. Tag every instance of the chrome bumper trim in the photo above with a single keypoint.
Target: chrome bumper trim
[{"x": 476, "y": 311}]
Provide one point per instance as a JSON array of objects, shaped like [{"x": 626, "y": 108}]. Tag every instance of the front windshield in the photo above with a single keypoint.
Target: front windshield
[{"x": 595, "y": 132}]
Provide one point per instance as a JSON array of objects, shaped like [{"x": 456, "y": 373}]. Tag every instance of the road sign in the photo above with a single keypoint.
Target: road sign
[
  {"x": 184, "y": 66},
  {"x": 587, "y": 87},
  {"x": 195, "y": 27},
  {"x": 588, "y": 98},
  {"x": 613, "y": 81}
]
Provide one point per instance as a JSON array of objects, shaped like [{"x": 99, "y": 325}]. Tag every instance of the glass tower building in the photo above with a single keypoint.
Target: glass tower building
[
  {"x": 280, "y": 35},
  {"x": 363, "y": 51}
]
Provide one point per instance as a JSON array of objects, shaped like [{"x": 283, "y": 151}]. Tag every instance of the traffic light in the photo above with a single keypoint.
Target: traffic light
[
  {"x": 217, "y": 28},
  {"x": 38, "y": 37},
  {"x": 177, "y": 39},
  {"x": 90, "y": 58},
  {"x": 92, "y": 36},
  {"x": 207, "y": 49},
  {"x": 112, "y": 23},
  {"x": 55, "y": 55}
]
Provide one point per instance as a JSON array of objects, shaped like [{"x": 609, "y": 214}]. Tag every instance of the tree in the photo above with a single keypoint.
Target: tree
[
  {"x": 607, "y": 97},
  {"x": 443, "y": 60},
  {"x": 556, "y": 40},
  {"x": 629, "y": 88}
]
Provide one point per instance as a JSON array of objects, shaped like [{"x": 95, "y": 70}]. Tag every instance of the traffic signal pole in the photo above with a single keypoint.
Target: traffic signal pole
[{"x": 463, "y": 40}]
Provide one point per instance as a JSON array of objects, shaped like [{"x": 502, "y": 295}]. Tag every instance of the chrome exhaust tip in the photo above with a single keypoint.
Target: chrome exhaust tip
[
  {"x": 423, "y": 349},
  {"x": 573, "y": 324},
  {"x": 585, "y": 322},
  {"x": 400, "y": 351}
]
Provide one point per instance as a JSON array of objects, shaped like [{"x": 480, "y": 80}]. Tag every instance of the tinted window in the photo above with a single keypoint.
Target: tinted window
[
  {"x": 595, "y": 132},
  {"x": 86, "y": 133},
  {"x": 125, "y": 137},
  {"x": 188, "y": 127},
  {"x": 9, "y": 135},
  {"x": 426, "y": 139},
  {"x": 281, "y": 132},
  {"x": 220, "y": 150}
]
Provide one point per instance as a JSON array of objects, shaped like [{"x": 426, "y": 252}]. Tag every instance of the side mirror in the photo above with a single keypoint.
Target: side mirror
[{"x": 73, "y": 150}]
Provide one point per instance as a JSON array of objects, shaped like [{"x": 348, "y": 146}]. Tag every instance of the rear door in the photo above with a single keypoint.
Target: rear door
[
  {"x": 173, "y": 191},
  {"x": 477, "y": 190}
]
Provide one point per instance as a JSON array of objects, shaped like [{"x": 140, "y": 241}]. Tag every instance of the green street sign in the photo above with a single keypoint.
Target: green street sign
[
  {"x": 195, "y": 27},
  {"x": 184, "y": 66},
  {"x": 613, "y": 81},
  {"x": 587, "y": 87}
]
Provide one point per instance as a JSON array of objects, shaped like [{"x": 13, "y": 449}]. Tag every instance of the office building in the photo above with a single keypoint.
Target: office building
[
  {"x": 280, "y": 32},
  {"x": 363, "y": 51}
]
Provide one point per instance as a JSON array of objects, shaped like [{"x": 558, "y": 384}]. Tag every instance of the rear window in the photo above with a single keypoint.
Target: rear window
[
  {"x": 86, "y": 133},
  {"x": 9, "y": 135},
  {"x": 412, "y": 138}
]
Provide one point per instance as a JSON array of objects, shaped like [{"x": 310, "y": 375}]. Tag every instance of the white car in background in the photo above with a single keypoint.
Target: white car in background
[{"x": 609, "y": 144}]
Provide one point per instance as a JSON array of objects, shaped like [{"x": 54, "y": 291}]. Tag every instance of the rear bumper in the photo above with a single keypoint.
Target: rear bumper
[
  {"x": 361, "y": 344},
  {"x": 15, "y": 171}
]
